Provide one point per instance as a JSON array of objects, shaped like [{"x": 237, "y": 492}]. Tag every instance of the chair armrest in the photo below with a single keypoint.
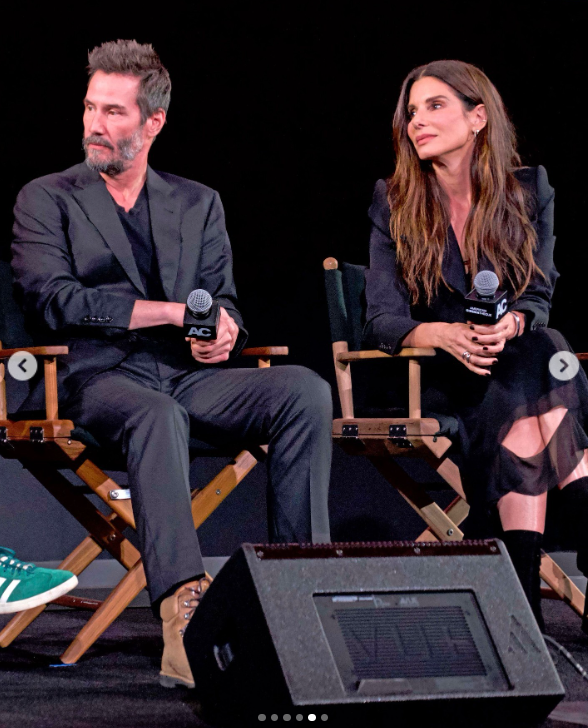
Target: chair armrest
[
  {"x": 48, "y": 353},
  {"x": 343, "y": 359},
  {"x": 265, "y": 351},
  {"x": 407, "y": 352},
  {"x": 36, "y": 351}
]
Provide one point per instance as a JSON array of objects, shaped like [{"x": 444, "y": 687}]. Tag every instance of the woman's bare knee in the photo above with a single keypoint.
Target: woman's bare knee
[{"x": 529, "y": 435}]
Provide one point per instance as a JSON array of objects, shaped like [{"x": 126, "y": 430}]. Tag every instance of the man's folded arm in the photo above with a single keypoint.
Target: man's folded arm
[
  {"x": 43, "y": 271},
  {"x": 46, "y": 283},
  {"x": 156, "y": 313}
]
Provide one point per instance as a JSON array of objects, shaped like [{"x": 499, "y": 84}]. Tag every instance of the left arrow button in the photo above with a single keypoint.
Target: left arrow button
[{"x": 22, "y": 366}]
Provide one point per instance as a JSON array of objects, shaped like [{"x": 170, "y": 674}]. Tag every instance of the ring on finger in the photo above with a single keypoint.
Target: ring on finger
[{"x": 466, "y": 356}]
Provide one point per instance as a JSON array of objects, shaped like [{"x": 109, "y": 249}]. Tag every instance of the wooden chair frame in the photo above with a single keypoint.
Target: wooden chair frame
[
  {"x": 44, "y": 447},
  {"x": 382, "y": 439}
]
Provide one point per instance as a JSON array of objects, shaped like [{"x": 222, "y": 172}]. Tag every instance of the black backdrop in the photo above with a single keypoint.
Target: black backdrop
[{"x": 285, "y": 109}]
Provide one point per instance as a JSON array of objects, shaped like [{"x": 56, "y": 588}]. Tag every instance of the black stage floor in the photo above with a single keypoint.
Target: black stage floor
[{"x": 115, "y": 683}]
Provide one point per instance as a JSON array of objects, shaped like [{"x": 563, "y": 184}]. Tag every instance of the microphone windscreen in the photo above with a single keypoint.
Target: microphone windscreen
[
  {"x": 486, "y": 282},
  {"x": 199, "y": 301}
]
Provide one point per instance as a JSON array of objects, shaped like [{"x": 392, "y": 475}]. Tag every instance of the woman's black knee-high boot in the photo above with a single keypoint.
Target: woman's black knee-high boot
[
  {"x": 575, "y": 511},
  {"x": 524, "y": 548}
]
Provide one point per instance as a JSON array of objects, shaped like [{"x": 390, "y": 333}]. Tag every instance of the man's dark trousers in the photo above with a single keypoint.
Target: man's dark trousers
[{"x": 150, "y": 404}]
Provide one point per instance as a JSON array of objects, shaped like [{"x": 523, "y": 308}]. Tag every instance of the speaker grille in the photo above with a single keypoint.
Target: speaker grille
[{"x": 409, "y": 643}]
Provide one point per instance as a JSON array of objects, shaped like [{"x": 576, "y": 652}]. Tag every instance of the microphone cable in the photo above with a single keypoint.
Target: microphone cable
[{"x": 568, "y": 655}]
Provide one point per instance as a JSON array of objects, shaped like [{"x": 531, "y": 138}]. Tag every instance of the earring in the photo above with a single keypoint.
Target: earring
[{"x": 476, "y": 132}]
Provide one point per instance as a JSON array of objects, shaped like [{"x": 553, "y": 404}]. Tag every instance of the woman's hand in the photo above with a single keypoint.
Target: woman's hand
[
  {"x": 482, "y": 342},
  {"x": 495, "y": 336},
  {"x": 474, "y": 350}
]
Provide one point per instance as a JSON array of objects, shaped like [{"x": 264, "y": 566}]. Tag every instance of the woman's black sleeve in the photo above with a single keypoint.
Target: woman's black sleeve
[{"x": 535, "y": 301}]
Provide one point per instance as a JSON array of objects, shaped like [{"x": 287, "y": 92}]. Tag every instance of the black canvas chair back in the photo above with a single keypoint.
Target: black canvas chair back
[
  {"x": 346, "y": 303},
  {"x": 12, "y": 327},
  {"x": 12, "y": 333},
  {"x": 345, "y": 288}
]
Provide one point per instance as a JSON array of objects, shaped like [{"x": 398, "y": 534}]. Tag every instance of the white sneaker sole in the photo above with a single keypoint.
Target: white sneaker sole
[{"x": 38, "y": 599}]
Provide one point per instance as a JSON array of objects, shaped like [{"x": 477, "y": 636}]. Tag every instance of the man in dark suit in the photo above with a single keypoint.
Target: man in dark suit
[{"x": 104, "y": 257}]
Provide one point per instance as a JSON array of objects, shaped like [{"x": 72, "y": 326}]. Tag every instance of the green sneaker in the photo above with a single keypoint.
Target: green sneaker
[{"x": 23, "y": 585}]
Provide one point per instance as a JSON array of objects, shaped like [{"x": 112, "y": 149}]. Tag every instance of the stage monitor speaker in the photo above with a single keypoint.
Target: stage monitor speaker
[{"x": 396, "y": 634}]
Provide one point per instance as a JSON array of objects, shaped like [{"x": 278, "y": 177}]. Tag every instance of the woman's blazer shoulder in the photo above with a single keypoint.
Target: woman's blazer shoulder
[
  {"x": 379, "y": 211},
  {"x": 536, "y": 182}
]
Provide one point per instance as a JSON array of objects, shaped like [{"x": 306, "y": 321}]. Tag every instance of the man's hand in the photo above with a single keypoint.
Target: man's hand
[{"x": 212, "y": 352}]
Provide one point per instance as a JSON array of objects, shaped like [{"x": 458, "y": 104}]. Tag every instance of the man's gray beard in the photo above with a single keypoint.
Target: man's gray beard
[{"x": 127, "y": 149}]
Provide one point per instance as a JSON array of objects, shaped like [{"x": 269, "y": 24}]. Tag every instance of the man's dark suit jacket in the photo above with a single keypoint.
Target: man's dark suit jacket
[
  {"x": 390, "y": 315},
  {"x": 76, "y": 275}
]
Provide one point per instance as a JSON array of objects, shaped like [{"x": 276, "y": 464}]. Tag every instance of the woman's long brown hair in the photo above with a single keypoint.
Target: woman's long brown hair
[{"x": 498, "y": 224}]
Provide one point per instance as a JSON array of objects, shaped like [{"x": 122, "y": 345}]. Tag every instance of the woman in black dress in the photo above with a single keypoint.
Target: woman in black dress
[{"x": 459, "y": 202}]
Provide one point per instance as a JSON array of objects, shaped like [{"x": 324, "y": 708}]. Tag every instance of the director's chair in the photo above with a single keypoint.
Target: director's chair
[
  {"x": 382, "y": 440},
  {"x": 46, "y": 445}
]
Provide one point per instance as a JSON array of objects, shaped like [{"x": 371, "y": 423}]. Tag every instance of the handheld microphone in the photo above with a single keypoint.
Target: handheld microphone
[
  {"x": 202, "y": 316},
  {"x": 485, "y": 304}
]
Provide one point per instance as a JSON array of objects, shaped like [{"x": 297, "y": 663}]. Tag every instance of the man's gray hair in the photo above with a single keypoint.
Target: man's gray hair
[{"x": 130, "y": 58}]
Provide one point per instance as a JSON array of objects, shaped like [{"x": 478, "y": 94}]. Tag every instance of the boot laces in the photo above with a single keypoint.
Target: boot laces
[{"x": 193, "y": 600}]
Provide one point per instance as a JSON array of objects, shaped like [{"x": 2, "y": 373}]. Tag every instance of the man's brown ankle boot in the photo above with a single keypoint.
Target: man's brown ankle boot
[{"x": 176, "y": 611}]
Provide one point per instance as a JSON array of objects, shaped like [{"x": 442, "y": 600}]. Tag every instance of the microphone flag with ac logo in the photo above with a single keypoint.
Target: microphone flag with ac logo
[
  {"x": 202, "y": 316},
  {"x": 485, "y": 304}
]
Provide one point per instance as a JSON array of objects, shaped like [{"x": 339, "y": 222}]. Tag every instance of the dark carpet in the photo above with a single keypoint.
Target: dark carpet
[{"x": 115, "y": 683}]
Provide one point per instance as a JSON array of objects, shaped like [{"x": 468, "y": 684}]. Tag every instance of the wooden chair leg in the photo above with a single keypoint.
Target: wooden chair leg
[
  {"x": 441, "y": 525},
  {"x": 114, "y": 604},
  {"x": 103, "y": 528},
  {"x": 561, "y": 584},
  {"x": 457, "y": 511},
  {"x": 102, "y": 484},
  {"x": 212, "y": 495},
  {"x": 76, "y": 562},
  {"x": 105, "y": 531},
  {"x": 204, "y": 503}
]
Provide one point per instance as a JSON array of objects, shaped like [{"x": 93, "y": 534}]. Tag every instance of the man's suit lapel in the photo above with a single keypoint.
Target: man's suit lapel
[
  {"x": 165, "y": 227},
  {"x": 96, "y": 202}
]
